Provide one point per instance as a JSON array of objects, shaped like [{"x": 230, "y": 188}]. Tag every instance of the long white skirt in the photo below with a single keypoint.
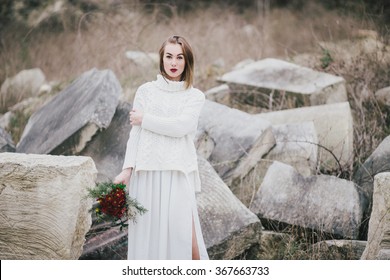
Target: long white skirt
[{"x": 164, "y": 232}]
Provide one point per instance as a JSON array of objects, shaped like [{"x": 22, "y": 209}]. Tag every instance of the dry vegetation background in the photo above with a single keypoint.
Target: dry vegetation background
[{"x": 222, "y": 35}]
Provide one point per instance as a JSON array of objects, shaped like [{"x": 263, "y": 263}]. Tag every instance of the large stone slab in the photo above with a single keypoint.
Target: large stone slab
[
  {"x": 334, "y": 126},
  {"x": 26, "y": 83},
  {"x": 44, "y": 212},
  {"x": 286, "y": 83},
  {"x": 378, "y": 242},
  {"x": 108, "y": 147},
  {"x": 70, "y": 119},
  {"x": 6, "y": 144},
  {"x": 226, "y": 136},
  {"x": 18, "y": 115},
  {"x": 143, "y": 59},
  {"x": 377, "y": 162},
  {"x": 321, "y": 203},
  {"x": 219, "y": 94},
  {"x": 228, "y": 227},
  {"x": 104, "y": 242},
  {"x": 295, "y": 145}
]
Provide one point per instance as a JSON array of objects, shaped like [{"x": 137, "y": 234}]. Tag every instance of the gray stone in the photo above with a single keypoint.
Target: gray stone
[
  {"x": 321, "y": 203},
  {"x": 295, "y": 145},
  {"x": 26, "y": 83},
  {"x": 243, "y": 63},
  {"x": 234, "y": 134},
  {"x": 143, "y": 59},
  {"x": 105, "y": 243},
  {"x": 228, "y": 227},
  {"x": 5, "y": 120},
  {"x": 72, "y": 117},
  {"x": 384, "y": 254},
  {"x": 287, "y": 246},
  {"x": 108, "y": 147},
  {"x": 279, "y": 79},
  {"x": 219, "y": 94},
  {"x": 378, "y": 241},
  {"x": 18, "y": 115},
  {"x": 377, "y": 162},
  {"x": 30, "y": 105},
  {"x": 44, "y": 211},
  {"x": 339, "y": 249},
  {"x": 334, "y": 126},
  {"x": 383, "y": 95},
  {"x": 6, "y": 143}
]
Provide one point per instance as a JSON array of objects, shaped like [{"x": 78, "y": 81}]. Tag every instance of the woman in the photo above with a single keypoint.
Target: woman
[{"x": 160, "y": 164}]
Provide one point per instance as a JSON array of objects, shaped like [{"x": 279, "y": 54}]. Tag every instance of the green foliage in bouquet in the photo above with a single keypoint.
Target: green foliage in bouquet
[{"x": 114, "y": 204}]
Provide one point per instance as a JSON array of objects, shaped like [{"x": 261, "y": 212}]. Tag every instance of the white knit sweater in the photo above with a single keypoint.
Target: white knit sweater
[{"x": 165, "y": 140}]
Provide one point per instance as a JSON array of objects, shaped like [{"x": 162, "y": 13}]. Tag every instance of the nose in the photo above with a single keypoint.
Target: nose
[{"x": 173, "y": 62}]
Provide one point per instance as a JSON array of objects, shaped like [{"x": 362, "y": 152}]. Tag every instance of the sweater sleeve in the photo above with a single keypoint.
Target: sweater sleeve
[
  {"x": 131, "y": 149},
  {"x": 135, "y": 132},
  {"x": 178, "y": 126}
]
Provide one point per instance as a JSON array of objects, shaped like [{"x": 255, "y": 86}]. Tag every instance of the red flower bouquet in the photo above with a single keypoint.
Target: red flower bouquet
[{"x": 112, "y": 203}]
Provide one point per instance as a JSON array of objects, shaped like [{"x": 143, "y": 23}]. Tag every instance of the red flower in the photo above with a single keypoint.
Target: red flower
[{"x": 114, "y": 203}]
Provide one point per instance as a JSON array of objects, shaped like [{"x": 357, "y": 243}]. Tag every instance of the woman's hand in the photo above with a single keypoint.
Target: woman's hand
[
  {"x": 136, "y": 117},
  {"x": 123, "y": 177}
]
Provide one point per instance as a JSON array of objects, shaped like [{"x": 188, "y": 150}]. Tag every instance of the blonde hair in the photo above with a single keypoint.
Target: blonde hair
[{"x": 188, "y": 74}]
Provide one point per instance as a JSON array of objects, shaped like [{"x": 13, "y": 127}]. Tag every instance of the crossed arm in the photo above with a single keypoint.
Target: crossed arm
[{"x": 177, "y": 126}]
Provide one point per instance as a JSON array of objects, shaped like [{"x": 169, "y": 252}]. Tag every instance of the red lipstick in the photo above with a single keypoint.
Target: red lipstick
[{"x": 173, "y": 70}]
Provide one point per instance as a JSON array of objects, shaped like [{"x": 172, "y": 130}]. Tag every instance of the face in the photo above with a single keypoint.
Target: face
[{"x": 174, "y": 62}]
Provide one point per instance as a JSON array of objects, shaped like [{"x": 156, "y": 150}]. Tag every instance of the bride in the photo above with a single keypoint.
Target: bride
[{"x": 160, "y": 166}]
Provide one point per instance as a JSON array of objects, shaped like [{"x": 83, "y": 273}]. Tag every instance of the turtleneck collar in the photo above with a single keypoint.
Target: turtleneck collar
[{"x": 168, "y": 85}]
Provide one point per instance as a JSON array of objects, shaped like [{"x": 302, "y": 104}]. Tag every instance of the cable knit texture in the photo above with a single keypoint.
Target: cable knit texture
[{"x": 165, "y": 140}]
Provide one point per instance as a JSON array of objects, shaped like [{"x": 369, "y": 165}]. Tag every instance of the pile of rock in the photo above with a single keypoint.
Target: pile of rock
[{"x": 259, "y": 163}]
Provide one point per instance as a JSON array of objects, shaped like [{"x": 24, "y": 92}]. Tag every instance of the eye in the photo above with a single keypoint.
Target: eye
[
  {"x": 180, "y": 57},
  {"x": 168, "y": 56}
]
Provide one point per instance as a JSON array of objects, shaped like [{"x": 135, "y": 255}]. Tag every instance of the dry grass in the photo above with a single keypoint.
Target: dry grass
[
  {"x": 221, "y": 38},
  {"x": 295, "y": 243}
]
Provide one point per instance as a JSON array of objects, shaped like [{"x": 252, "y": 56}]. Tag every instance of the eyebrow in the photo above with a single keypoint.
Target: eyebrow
[{"x": 172, "y": 54}]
